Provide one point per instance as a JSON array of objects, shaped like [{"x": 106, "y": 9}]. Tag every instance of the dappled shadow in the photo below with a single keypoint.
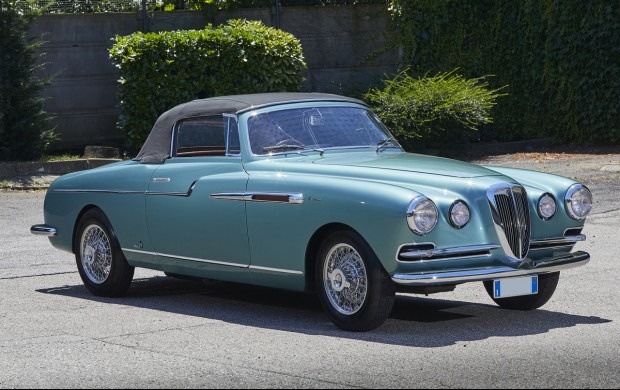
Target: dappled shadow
[{"x": 415, "y": 321}]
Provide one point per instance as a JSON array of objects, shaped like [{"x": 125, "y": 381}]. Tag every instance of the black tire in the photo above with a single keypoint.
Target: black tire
[
  {"x": 547, "y": 284},
  {"x": 357, "y": 294},
  {"x": 100, "y": 261}
]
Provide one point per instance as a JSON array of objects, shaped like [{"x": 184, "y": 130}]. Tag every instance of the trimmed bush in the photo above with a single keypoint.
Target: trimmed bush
[
  {"x": 429, "y": 112},
  {"x": 159, "y": 71},
  {"x": 25, "y": 129}
]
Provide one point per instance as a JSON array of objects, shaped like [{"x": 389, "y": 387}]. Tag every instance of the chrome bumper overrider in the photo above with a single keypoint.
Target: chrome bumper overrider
[
  {"x": 533, "y": 267},
  {"x": 43, "y": 230}
]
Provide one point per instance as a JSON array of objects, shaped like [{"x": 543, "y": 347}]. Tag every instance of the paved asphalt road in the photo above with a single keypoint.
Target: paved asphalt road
[{"x": 172, "y": 333}]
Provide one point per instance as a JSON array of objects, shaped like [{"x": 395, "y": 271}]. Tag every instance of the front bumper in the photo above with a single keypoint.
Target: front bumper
[{"x": 534, "y": 267}]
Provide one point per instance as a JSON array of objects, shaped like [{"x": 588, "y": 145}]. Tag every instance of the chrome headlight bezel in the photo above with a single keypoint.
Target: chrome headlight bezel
[
  {"x": 547, "y": 206},
  {"x": 419, "y": 206},
  {"x": 459, "y": 209},
  {"x": 574, "y": 201}
]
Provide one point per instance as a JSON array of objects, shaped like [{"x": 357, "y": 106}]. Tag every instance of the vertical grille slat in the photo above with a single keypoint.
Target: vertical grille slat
[{"x": 512, "y": 218}]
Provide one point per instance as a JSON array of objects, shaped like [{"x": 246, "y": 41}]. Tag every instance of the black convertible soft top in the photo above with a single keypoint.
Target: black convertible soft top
[{"x": 156, "y": 149}]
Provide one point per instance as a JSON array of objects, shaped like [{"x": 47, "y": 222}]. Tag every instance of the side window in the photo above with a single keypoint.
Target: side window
[
  {"x": 234, "y": 145},
  {"x": 209, "y": 136}
]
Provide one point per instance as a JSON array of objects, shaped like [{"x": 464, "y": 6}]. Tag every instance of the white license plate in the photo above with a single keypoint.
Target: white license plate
[{"x": 515, "y": 287}]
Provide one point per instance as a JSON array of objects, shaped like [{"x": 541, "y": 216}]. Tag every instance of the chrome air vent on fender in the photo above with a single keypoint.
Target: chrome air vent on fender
[{"x": 511, "y": 214}]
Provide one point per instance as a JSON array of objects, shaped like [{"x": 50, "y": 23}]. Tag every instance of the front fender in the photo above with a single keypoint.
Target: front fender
[{"x": 376, "y": 211}]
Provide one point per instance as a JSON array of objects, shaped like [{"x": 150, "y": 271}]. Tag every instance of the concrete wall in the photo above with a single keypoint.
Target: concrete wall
[{"x": 337, "y": 42}]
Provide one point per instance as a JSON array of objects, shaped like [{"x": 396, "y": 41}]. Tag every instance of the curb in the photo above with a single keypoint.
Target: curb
[
  {"x": 495, "y": 148},
  {"x": 35, "y": 176},
  {"x": 18, "y": 169},
  {"x": 13, "y": 170}
]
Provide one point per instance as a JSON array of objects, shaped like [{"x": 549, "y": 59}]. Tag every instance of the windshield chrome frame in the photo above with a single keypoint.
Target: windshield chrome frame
[{"x": 243, "y": 122}]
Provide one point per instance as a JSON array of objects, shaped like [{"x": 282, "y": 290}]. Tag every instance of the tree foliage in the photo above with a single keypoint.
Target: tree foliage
[{"x": 25, "y": 130}]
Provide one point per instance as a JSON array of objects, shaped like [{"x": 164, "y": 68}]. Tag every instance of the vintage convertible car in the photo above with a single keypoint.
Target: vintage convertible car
[{"x": 311, "y": 192}]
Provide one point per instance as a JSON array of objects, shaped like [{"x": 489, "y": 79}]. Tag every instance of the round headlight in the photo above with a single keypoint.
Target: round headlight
[
  {"x": 578, "y": 201},
  {"x": 546, "y": 207},
  {"x": 422, "y": 215},
  {"x": 459, "y": 214}
]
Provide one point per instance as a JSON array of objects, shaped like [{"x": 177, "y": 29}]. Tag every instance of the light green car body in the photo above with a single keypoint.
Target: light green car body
[{"x": 197, "y": 217}]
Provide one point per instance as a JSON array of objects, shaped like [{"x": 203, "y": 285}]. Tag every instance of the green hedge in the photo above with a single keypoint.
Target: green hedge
[
  {"x": 560, "y": 60},
  {"x": 159, "y": 71}
]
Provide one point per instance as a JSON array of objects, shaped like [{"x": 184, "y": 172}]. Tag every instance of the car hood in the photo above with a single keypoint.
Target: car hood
[{"x": 411, "y": 163}]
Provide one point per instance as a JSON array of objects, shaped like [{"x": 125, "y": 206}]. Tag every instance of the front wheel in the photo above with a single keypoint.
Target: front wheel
[
  {"x": 355, "y": 291},
  {"x": 100, "y": 261},
  {"x": 547, "y": 284}
]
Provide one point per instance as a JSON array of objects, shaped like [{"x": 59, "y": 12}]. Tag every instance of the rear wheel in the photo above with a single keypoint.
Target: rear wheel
[
  {"x": 100, "y": 261},
  {"x": 547, "y": 284},
  {"x": 355, "y": 291}
]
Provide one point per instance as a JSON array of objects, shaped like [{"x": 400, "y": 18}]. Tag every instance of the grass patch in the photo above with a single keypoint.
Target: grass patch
[{"x": 60, "y": 157}]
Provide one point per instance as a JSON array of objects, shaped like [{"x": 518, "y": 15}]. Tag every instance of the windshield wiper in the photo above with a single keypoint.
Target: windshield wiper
[
  {"x": 385, "y": 143},
  {"x": 282, "y": 148},
  {"x": 279, "y": 148}
]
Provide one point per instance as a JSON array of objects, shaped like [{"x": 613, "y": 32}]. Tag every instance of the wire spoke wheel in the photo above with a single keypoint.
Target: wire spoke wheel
[
  {"x": 345, "y": 279},
  {"x": 96, "y": 254},
  {"x": 99, "y": 258},
  {"x": 353, "y": 287}
]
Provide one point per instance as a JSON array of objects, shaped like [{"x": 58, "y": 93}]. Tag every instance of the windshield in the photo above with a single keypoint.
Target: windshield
[{"x": 315, "y": 128}]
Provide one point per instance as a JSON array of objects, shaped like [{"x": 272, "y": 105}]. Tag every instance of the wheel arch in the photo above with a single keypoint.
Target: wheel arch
[
  {"x": 79, "y": 217},
  {"x": 314, "y": 246}
]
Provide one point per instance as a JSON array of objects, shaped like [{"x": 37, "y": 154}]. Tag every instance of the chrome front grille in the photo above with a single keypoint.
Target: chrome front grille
[{"x": 511, "y": 215}]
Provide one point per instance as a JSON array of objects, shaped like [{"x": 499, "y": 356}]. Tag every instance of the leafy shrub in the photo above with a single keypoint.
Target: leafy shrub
[
  {"x": 159, "y": 71},
  {"x": 25, "y": 129},
  {"x": 443, "y": 110}
]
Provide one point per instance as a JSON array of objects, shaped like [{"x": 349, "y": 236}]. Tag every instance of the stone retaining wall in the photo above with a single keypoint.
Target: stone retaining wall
[{"x": 339, "y": 45}]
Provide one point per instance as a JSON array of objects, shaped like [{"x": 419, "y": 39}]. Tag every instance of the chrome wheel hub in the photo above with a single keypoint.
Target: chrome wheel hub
[
  {"x": 345, "y": 279},
  {"x": 96, "y": 254},
  {"x": 338, "y": 280},
  {"x": 89, "y": 255}
]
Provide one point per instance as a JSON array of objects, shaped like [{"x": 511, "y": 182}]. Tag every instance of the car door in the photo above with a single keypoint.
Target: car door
[{"x": 187, "y": 225}]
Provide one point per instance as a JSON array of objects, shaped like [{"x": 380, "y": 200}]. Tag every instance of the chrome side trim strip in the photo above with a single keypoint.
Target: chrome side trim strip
[
  {"x": 448, "y": 253},
  {"x": 285, "y": 271},
  {"x": 255, "y": 267},
  {"x": 186, "y": 258},
  {"x": 205, "y": 261},
  {"x": 180, "y": 194},
  {"x": 43, "y": 230},
  {"x": 296, "y": 198},
  {"x": 261, "y": 197},
  {"x": 238, "y": 196},
  {"x": 122, "y": 192},
  {"x": 139, "y": 252},
  {"x": 556, "y": 264},
  {"x": 81, "y": 191}
]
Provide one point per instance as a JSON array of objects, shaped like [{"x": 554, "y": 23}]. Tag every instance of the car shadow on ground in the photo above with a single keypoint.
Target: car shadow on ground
[{"x": 414, "y": 321}]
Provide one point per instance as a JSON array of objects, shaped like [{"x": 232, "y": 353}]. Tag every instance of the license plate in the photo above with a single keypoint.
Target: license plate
[{"x": 515, "y": 287}]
